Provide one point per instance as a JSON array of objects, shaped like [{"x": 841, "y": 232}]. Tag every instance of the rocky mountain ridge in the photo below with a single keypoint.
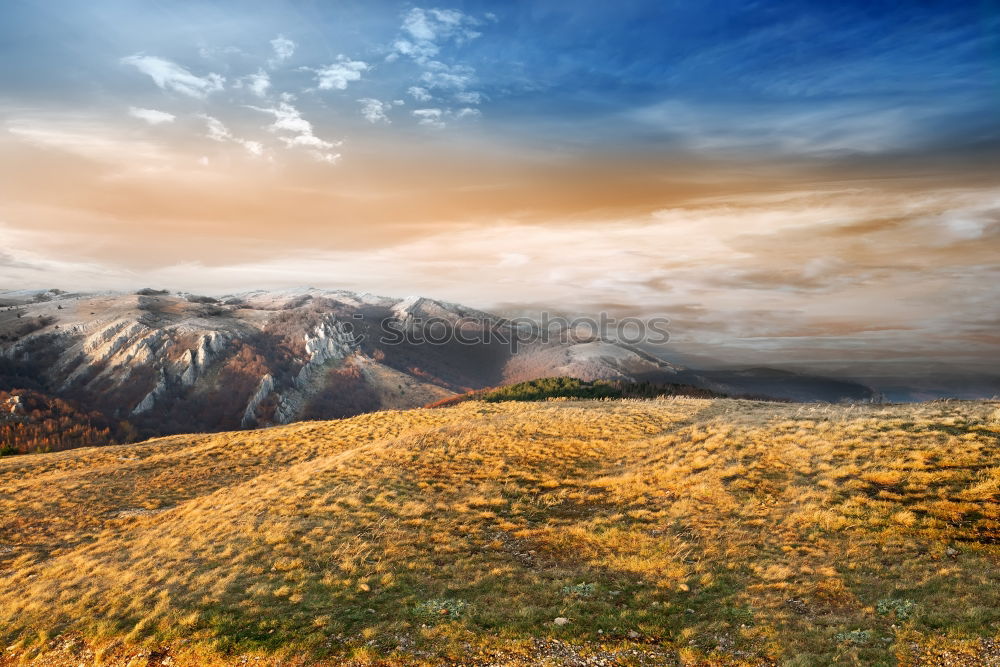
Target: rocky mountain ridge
[{"x": 180, "y": 362}]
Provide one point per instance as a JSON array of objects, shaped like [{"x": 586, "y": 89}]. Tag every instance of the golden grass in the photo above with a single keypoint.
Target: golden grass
[{"x": 677, "y": 531}]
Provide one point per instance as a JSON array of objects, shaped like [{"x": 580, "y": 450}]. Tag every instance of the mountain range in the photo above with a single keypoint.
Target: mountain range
[{"x": 171, "y": 363}]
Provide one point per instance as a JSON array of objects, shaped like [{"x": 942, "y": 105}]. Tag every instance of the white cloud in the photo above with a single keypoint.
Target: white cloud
[
  {"x": 469, "y": 97},
  {"x": 209, "y": 52},
  {"x": 466, "y": 112},
  {"x": 283, "y": 48},
  {"x": 296, "y": 132},
  {"x": 424, "y": 30},
  {"x": 429, "y": 117},
  {"x": 423, "y": 34},
  {"x": 287, "y": 119},
  {"x": 329, "y": 158},
  {"x": 254, "y": 147},
  {"x": 151, "y": 116},
  {"x": 419, "y": 51},
  {"x": 257, "y": 83},
  {"x": 217, "y": 131},
  {"x": 433, "y": 25},
  {"x": 374, "y": 110},
  {"x": 336, "y": 76},
  {"x": 860, "y": 126},
  {"x": 452, "y": 77},
  {"x": 436, "y": 118},
  {"x": 419, "y": 94},
  {"x": 90, "y": 139},
  {"x": 171, "y": 76}
]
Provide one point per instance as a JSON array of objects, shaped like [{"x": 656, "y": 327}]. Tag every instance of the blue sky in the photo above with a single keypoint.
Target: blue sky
[{"x": 701, "y": 76}]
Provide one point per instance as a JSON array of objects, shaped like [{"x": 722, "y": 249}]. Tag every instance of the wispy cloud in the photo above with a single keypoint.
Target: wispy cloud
[
  {"x": 337, "y": 75},
  {"x": 217, "y": 131},
  {"x": 87, "y": 138},
  {"x": 451, "y": 77},
  {"x": 283, "y": 49},
  {"x": 257, "y": 83},
  {"x": 424, "y": 33},
  {"x": 171, "y": 76},
  {"x": 295, "y": 131},
  {"x": 425, "y": 29},
  {"x": 376, "y": 111},
  {"x": 436, "y": 118},
  {"x": 151, "y": 116},
  {"x": 419, "y": 93},
  {"x": 429, "y": 117},
  {"x": 861, "y": 126}
]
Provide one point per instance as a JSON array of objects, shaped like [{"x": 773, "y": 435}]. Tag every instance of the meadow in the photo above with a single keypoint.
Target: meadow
[{"x": 677, "y": 530}]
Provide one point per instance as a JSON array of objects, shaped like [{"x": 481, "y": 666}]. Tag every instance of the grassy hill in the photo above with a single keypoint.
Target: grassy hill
[{"x": 670, "y": 531}]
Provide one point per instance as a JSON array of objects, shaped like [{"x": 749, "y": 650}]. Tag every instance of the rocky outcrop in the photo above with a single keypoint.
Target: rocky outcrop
[
  {"x": 195, "y": 361},
  {"x": 330, "y": 340},
  {"x": 149, "y": 401},
  {"x": 264, "y": 389}
]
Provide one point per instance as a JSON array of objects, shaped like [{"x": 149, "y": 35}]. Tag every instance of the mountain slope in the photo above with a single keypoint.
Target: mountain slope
[
  {"x": 663, "y": 532},
  {"x": 174, "y": 363}
]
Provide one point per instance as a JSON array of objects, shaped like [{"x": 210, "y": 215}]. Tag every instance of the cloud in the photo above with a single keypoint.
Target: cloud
[
  {"x": 423, "y": 34},
  {"x": 336, "y": 76},
  {"x": 209, "y": 52},
  {"x": 429, "y": 117},
  {"x": 424, "y": 30},
  {"x": 374, "y": 110},
  {"x": 296, "y": 132},
  {"x": 151, "y": 116},
  {"x": 450, "y": 77},
  {"x": 171, "y": 76},
  {"x": 283, "y": 48},
  {"x": 469, "y": 97},
  {"x": 419, "y": 94},
  {"x": 828, "y": 128},
  {"x": 87, "y": 138},
  {"x": 434, "y": 117},
  {"x": 217, "y": 131},
  {"x": 287, "y": 119},
  {"x": 10, "y": 261},
  {"x": 257, "y": 83},
  {"x": 466, "y": 112}
]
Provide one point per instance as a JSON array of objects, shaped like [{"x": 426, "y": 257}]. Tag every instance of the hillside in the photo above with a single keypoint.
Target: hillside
[
  {"x": 34, "y": 422},
  {"x": 670, "y": 531}
]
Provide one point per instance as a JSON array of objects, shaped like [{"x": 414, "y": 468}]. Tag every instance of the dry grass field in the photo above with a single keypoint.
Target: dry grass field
[{"x": 669, "y": 531}]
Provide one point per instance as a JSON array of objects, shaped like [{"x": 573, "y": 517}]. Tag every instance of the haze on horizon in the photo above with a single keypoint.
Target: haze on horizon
[{"x": 789, "y": 182}]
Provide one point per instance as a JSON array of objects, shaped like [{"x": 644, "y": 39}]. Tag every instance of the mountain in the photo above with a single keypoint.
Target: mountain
[
  {"x": 783, "y": 384},
  {"x": 172, "y": 363}
]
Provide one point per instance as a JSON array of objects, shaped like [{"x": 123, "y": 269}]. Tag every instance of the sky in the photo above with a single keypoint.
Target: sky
[{"x": 789, "y": 182}]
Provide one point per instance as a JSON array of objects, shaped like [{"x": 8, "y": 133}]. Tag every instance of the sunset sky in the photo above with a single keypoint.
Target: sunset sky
[{"x": 817, "y": 183}]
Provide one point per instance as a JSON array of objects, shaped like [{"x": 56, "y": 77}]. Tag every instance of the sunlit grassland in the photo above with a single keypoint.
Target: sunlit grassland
[{"x": 685, "y": 531}]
